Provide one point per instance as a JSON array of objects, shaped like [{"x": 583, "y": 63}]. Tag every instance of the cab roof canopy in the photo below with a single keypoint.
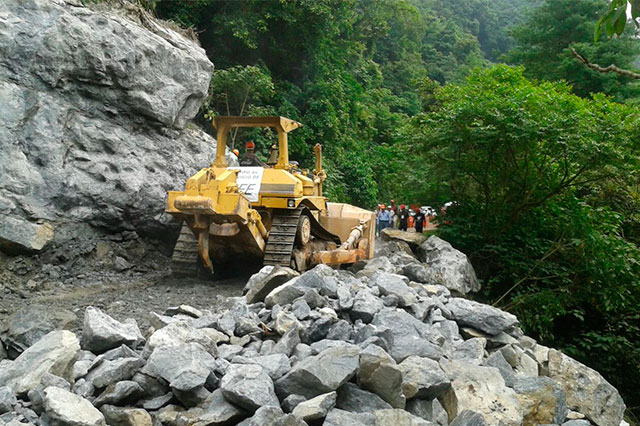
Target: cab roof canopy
[{"x": 280, "y": 123}]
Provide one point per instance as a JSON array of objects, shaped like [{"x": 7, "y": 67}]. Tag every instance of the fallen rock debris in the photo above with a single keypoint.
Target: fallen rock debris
[{"x": 327, "y": 347}]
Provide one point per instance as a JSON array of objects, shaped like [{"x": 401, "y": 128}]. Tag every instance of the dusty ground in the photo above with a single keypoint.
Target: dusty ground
[{"x": 127, "y": 279}]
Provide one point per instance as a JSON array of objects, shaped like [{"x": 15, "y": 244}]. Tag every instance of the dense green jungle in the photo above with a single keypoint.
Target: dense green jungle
[{"x": 477, "y": 101}]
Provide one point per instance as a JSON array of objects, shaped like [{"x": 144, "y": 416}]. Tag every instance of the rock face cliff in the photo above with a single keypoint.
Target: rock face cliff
[{"x": 94, "y": 113}]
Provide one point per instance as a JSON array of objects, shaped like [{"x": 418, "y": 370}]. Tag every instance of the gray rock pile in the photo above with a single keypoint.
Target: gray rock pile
[
  {"x": 94, "y": 107},
  {"x": 425, "y": 260},
  {"x": 327, "y": 347}
]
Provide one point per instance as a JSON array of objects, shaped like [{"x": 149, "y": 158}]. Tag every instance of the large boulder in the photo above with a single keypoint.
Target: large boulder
[
  {"x": 394, "y": 285},
  {"x": 423, "y": 378},
  {"x": 93, "y": 110},
  {"x": 410, "y": 336},
  {"x": 100, "y": 332},
  {"x": 321, "y": 279},
  {"x": 478, "y": 315},
  {"x": 185, "y": 367},
  {"x": 413, "y": 239},
  {"x": 54, "y": 354},
  {"x": 447, "y": 266},
  {"x": 379, "y": 373},
  {"x": 398, "y": 417},
  {"x": 272, "y": 416},
  {"x": 541, "y": 399},
  {"x": 31, "y": 323},
  {"x": 66, "y": 408},
  {"x": 19, "y": 236},
  {"x": 352, "y": 398},
  {"x": 178, "y": 333},
  {"x": 316, "y": 408},
  {"x": 126, "y": 416},
  {"x": 215, "y": 410},
  {"x": 248, "y": 386},
  {"x": 586, "y": 390},
  {"x": 108, "y": 371},
  {"x": 322, "y": 373},
  {"x": 480, "y": 389},
  {"x": 264, "y": 281},
  {"x": 338, "y": 417}
]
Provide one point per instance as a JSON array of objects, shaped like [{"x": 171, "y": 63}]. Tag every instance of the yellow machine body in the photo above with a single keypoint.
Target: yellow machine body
[{"x": 287, "y": 222}]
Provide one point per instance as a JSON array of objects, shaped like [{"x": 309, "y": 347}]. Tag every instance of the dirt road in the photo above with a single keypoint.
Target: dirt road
[{"x": 129, "y": 299}]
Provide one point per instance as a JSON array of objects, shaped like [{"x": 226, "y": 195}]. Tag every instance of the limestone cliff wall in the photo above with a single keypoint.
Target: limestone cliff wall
[{"x": 94, "y": 113}]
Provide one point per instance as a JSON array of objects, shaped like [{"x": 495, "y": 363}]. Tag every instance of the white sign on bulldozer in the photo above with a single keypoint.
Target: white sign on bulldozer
[{"x": 249, "y": 181}]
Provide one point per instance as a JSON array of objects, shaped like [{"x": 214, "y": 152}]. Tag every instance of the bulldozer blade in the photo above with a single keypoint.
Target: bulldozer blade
[{"x": 194, "y": 204}]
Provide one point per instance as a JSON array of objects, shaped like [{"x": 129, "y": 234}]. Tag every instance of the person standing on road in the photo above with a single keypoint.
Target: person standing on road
[
  {"x": 403, "y": 218},
  {"x": 384, "y": 217},
  {"x": 393, "y": 212},
  {"x": 419, "y": 220}
]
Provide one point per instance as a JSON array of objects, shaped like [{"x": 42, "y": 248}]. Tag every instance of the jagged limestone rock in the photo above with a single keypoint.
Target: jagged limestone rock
[
  {"x": 184, "y": 367},
  {"x": 586, "y": 390},
  {"x": 126, "y": 416},
  {"x": 266, "y": 280},
  {"x": 447, "y": 266},
  {"x": 100, "y": 332},
  {"x": 352, "y": 398},
  {"x": 316, "y": 408},
  {"x": 379, "y": 373},
  {"x": 248, "y": 386},
  {"x": 66, "y": 408},
  {"x": 31, "y": 323},
  {"x": 321, "y": 373},
  {"x": 423, "y": 378},
  {"x": 541, "y": 399},
  {"x": 18, "y": 236},
  {"x": 479, "y": 389},
  {"x": 93, "y": 110},
  {"x": 54, "y": 353},
  {"x": 483, "y": 317}
]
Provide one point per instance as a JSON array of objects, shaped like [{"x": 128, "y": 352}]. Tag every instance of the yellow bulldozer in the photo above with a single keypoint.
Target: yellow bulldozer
[{"x": 272, "y": 215}]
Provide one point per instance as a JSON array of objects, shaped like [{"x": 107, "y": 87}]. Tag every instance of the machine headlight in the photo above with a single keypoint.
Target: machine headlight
[{"x": 291, "y": 203}]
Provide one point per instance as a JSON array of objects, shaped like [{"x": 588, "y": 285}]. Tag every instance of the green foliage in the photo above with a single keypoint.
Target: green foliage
[
  {"x": 543, "y": 43},
  {"x": 351, "y": 71},
  {"x": 489, "y": 21},
  {"x": 615, "y": 20},
  {"x": 527, "y": 163}
]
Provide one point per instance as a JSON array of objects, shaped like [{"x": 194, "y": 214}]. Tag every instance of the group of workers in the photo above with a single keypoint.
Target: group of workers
[
  {"x": 250, "y": 159},
  {"x": 402, "y": 218}
]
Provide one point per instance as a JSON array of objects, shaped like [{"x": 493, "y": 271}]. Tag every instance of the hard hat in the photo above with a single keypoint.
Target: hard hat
[
  {"x": 383, "y": 206},
  {"x": 401, "y": 206},
  {"x": 236, "y": 152},
  {"x": 250, "y": 145}
]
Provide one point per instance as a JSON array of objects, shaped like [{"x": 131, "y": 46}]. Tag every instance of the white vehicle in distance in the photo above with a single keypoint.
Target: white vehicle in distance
[{"x": 429, "y": 211}]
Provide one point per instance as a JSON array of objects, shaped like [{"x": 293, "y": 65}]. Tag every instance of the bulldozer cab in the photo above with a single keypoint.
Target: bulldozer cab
[{"x": 282, "y": 125}]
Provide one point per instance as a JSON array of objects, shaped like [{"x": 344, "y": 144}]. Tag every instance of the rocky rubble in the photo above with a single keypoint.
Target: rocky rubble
[
  {"x": 439, "y": 263},
  {"x": 307, "y": 352}
]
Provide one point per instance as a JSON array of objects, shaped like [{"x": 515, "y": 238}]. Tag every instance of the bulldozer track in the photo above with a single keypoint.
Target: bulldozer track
[
  {"x": 282, "y": 237},
  {"x": 184, "y": 261}
]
